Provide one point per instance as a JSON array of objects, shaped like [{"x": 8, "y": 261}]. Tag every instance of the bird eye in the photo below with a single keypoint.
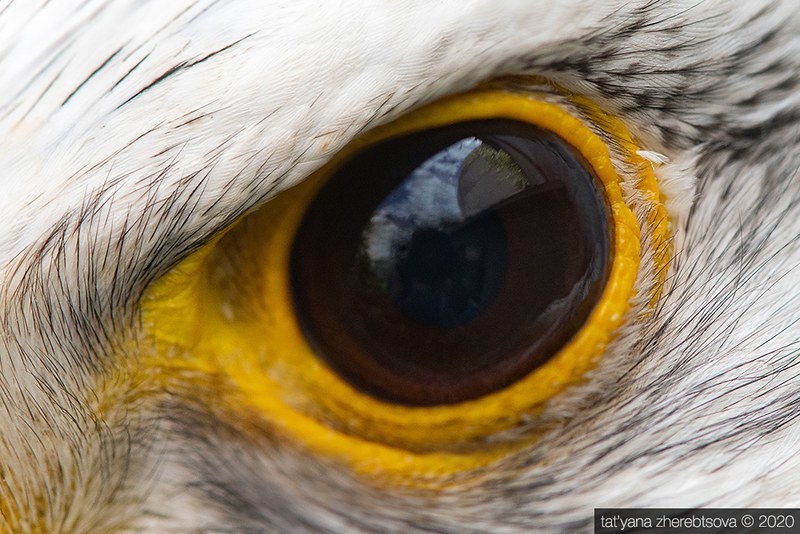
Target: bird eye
[
  {"x": 410, "y": 307},
  {"x": 442, "y": 265}
]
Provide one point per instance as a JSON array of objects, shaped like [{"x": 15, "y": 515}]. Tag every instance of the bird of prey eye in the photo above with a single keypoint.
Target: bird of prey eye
[{"x": 446, "y": 266}]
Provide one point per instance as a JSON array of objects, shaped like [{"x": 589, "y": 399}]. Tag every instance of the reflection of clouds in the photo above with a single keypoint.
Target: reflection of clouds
[
  {"x": 428, "y": 198},
  {"x": 452, "y": 186}
]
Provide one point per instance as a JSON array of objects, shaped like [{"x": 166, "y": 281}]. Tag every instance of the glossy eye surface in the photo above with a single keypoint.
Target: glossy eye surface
[
  {"x": 442, "y": 265},
  {"x": 417, "y": 300}
]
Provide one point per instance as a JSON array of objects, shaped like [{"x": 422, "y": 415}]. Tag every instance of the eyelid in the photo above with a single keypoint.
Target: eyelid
[{"x": 324, "y": 414}]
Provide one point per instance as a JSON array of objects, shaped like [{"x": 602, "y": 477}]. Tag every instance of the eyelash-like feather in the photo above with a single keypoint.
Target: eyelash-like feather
[{"x": 134, "y": 131}]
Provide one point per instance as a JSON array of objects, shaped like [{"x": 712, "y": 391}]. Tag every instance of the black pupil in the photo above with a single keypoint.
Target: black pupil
[
  {"x": 447, "y": 278},
  {"x": 444, "y": 265}
]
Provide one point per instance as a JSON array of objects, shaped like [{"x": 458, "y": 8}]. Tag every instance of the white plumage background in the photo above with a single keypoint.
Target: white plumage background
[{"x": 131, "y": 132}]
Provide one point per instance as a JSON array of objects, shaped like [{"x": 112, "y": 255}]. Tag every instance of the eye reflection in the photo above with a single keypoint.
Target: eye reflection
[
  {"x": 440, "y": 266},
  {"x": 430, "y": 246}
]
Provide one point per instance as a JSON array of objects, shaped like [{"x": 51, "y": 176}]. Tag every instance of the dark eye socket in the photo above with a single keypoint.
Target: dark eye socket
[{"x": 440, "y": 266}]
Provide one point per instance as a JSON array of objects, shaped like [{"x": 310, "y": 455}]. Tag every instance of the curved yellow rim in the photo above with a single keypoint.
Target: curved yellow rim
[{"x": 255, "y": 344}]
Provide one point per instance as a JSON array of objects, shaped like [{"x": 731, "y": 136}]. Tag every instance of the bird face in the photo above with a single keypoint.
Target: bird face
[{"x": 302, "y": 266}]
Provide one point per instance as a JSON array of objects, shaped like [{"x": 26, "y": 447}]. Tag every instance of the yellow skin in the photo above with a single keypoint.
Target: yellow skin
[{"x": 226, "y": 312}]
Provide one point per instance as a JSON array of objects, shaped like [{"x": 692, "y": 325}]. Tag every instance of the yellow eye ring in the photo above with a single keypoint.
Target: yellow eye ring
[{"x": 252, "y": 341}]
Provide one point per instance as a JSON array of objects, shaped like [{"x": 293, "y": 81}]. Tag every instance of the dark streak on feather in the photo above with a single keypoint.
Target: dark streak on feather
[
  {"x": 93, "y": 73},
  {"x": 182, "y": 66}
]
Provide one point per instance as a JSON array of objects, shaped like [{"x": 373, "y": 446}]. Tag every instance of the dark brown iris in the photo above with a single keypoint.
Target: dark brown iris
[{"x": 440, "y": 266}]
